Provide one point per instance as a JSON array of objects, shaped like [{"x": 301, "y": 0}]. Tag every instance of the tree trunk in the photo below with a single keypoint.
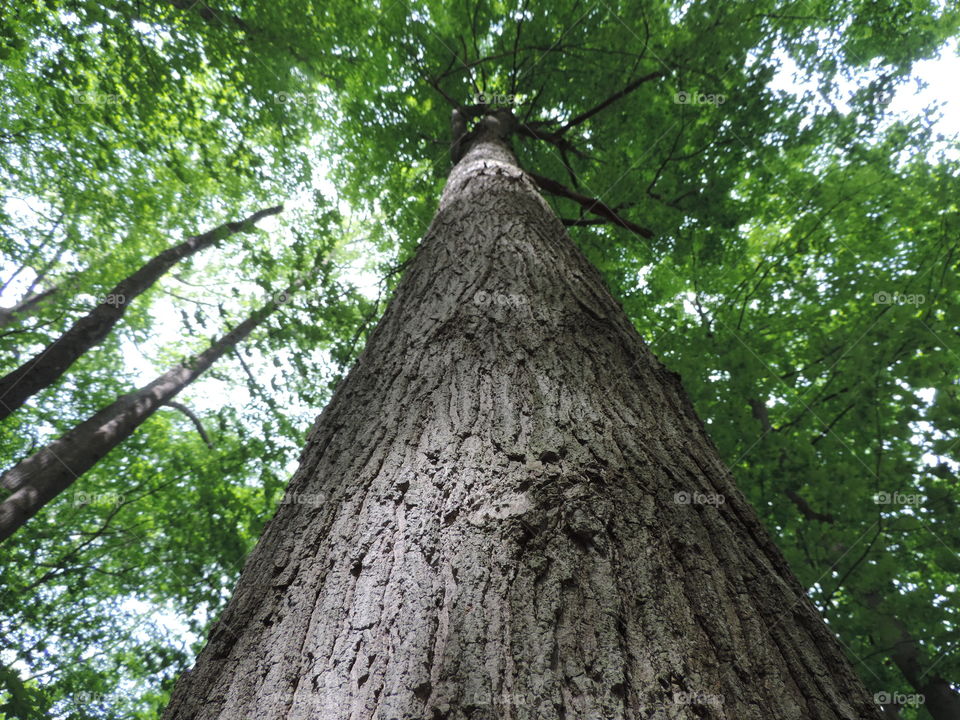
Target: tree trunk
[
  {"x": 939, "y": 698},
  {"x": 38, "y": 479},
  {"x": 891, "y": 637},
  {"x": 44, "y": 368},
  {"x": 510, "y": 510},
  {"x": 25, "y": 307}
]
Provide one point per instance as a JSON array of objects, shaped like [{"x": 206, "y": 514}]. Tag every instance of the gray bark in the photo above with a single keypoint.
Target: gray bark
[
  {"x": 489, "y": 521},
  {"x": 38, "y": 479},
  {"x": 47, "y": 366}
]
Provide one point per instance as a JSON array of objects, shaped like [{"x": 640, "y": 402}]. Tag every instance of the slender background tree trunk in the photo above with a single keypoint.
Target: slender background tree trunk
[
  {"x": 25, "y": 307},
  {"x": 939, "y": 698},
  {"x": 46, "y": 367},
  {"x": 38, "y": 479},
  {"x": 510, "y": 510}
]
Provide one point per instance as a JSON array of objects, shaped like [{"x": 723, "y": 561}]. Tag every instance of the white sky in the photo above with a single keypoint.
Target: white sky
[
  {"x": 942, "y": 77},
  {"x": 936, "y": 84}
]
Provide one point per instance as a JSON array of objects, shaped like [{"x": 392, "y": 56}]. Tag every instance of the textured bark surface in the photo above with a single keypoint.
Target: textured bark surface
[
  {"x": 489, "y": 518},
  {"x": 46, "y": 367},
  {"x": 39, "y": 478}
]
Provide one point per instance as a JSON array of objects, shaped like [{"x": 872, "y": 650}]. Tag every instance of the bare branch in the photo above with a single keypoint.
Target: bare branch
[
  {"x": 808, "y": 512},
  {"x": 591, "y": 205},
  {"x": 193, "y": 418},
  {"x": 582, "y": 117},
  {"x": 583, "y": 222},
  {"x": 24, "y": 307}
]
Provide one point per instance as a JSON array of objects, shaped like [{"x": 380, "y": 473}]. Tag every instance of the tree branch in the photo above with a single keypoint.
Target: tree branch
[
  {"x": 826, "y": 430},
  {"x": 808, "y": 512},
  {"x": 193, "y": 418},
  {"x": 47, "y": 366},
  {"x": 759, "y": 411},
  {"x": 24, "y": 307},
  {"x": 591, "y": 205},
  {"x": 209, "y": 14},
  {"x": 583, "y": 222},
  {"x": 536, "y": 131},
  {"x": 583, "y": 117}
]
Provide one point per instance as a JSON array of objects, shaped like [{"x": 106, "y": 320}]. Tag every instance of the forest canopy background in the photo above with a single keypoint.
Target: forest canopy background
[{"x": 793, "y": 255}]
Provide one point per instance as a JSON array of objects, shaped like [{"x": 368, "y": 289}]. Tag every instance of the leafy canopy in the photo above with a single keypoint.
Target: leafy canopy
[{"x": 800, "y": 273}]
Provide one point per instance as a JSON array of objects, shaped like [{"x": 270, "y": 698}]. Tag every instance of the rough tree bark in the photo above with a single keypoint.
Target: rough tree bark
[
  {"x": 36, "y": 480},
  {"x": 510, "y": 510},
  {"x": 44, "y": 368}
]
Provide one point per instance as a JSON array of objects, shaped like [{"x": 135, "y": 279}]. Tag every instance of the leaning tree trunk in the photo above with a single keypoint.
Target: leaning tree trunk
[
  {"x": 46, "y": 367},
  {"x": 510, "y": 510},
  {"x": 892, "y": 634},
  {"x": 25, "y": 307},
  {"x": 39, "y": 478}
]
